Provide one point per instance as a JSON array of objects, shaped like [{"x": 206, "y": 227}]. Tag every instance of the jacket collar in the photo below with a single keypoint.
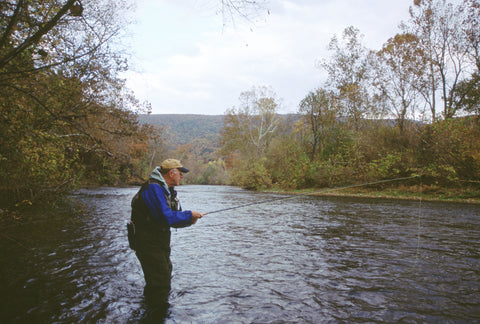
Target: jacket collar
[{"x": 157, "y": 176}]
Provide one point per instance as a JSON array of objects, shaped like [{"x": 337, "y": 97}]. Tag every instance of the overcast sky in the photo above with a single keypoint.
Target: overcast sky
[{"x": 187, "y": 62}]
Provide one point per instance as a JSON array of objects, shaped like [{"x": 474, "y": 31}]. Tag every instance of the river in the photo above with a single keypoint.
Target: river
[{"x": 300, "y": 260}]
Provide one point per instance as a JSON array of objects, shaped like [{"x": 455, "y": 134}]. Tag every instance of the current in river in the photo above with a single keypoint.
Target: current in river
[{"x": 300, "y": 260}]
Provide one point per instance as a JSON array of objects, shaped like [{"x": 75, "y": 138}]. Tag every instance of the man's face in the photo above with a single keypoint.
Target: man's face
[{"x": 175, "y": 176}]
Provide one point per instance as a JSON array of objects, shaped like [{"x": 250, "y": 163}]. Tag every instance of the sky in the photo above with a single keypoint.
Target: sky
[{"x": 188, "y": 58}]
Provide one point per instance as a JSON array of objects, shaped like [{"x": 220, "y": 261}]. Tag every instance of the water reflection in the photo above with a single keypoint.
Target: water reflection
[{"x": 304, "y": 260}]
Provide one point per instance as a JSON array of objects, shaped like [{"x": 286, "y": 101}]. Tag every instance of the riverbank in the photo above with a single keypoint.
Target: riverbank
[{"x": 416, "y": 192}]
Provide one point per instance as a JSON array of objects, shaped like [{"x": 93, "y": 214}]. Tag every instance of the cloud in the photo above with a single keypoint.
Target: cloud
[{"x": 186, "y": 62}]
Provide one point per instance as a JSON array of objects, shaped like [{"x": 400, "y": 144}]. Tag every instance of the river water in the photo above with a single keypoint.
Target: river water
[{"x": 299, "y": 260}]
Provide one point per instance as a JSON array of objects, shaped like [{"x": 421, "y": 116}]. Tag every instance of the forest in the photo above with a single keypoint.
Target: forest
[{"x": 408, "y": 110}]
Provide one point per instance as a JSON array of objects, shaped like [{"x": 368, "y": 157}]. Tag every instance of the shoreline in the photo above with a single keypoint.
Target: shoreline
[
  {"x": 376, "y": 195},
  {"x": 408, "y": 193}
]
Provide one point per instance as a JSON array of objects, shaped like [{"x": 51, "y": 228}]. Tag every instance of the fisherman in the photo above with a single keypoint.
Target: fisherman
[{"x": 156, "y": 208}]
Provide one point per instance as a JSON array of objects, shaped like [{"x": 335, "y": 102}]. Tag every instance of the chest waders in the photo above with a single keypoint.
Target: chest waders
[{"x": 151, "y": 241}]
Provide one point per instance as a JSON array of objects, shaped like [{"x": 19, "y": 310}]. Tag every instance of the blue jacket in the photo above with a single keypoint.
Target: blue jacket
[{"x": 155, "y": 197}]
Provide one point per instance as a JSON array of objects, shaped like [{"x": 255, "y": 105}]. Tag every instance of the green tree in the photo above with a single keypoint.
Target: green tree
[
  {"x": 348, "y": 74},
  {"x": 450, "y": 152},
  {"x": 319, "y": 114},
  {"x": 349, "y": 78},
  {"x": 467, "y": 95},
  {"x": 252, "y": 174}
]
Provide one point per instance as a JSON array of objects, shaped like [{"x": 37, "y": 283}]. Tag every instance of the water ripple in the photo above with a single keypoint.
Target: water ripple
[{"x": 305, "y": 260}]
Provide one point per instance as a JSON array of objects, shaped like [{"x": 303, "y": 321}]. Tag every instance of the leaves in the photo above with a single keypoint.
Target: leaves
[{"x": 66, "y": 118}]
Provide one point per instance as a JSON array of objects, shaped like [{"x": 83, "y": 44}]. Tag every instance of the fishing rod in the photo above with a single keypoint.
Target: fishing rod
[{"x": 310, "y": 194}]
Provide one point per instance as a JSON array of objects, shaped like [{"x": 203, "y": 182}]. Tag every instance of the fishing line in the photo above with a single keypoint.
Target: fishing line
[
  {"x": 310, "y": 194},
  {"x": 419, "y": 224}
]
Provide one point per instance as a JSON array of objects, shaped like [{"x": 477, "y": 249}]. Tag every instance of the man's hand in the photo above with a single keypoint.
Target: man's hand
[{"x": 196, "y": 216}]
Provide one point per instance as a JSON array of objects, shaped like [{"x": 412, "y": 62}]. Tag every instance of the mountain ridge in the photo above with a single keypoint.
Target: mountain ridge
[{"x": 185, "y": 128}]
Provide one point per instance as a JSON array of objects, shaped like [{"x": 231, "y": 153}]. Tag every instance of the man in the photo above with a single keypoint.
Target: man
[{"x": 156, "y": 208}]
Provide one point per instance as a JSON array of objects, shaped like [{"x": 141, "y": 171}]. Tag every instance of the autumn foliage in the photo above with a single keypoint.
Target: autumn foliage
[{"x": 65, "y": 117}]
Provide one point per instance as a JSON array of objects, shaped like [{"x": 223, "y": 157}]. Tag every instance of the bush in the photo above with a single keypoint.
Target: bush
[{"x": 252, "y": 174}]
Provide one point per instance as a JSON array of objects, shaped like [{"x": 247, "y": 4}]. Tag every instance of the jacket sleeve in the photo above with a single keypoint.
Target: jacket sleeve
[{"x": 156, "y": 202}]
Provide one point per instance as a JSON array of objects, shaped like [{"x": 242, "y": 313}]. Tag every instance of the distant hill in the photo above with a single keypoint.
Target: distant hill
[{"x": 183, "y": 129}]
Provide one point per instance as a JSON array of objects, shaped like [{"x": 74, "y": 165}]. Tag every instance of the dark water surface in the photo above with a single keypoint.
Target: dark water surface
[{"x": 302, "y": 260}]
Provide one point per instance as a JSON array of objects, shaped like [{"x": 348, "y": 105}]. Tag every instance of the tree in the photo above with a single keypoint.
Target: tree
[
  {"x": 246, "y": 9},
  {"x": 348, "y": 74},
  {"x": 399, "y": 75},
  {"x": 467, "y": 94},
  {"x": 24, "y": 28},
  {"x": 471, "y": 26},
  {"x": 319, "y": 115},
  {"x": 250, "y": 127},
  {"x": 440, "y": 28},
  {"x": 246, "y": 136},
  {"x": 65, "y": 114}
]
